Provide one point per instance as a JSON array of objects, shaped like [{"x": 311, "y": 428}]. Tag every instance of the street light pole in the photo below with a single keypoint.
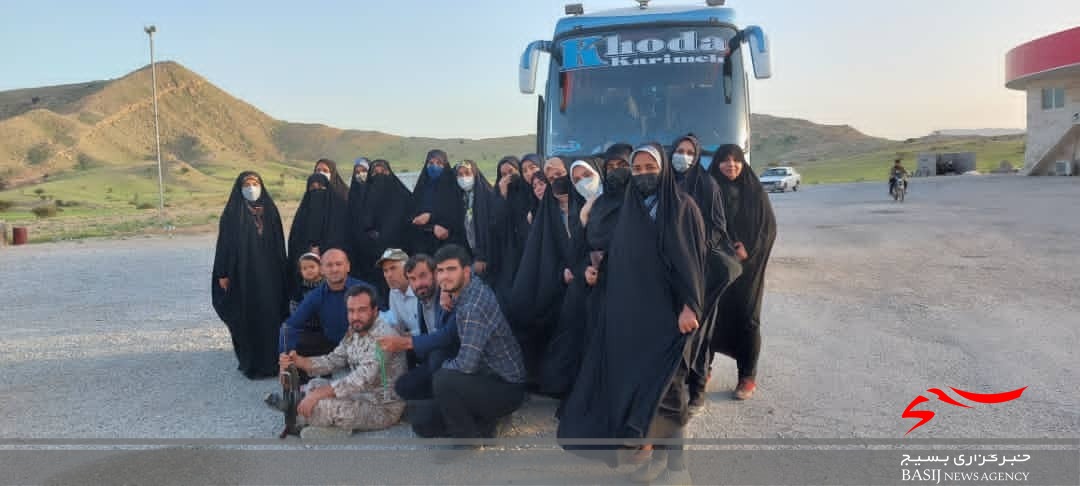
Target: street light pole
[{"x": 157, "y": 130}]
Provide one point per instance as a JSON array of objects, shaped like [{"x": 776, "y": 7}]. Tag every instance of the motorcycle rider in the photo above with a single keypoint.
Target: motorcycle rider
[{"x": 896, "y": 173}]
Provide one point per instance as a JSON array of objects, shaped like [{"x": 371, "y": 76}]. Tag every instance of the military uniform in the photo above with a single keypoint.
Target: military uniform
[{"x": 365, "y": 397}]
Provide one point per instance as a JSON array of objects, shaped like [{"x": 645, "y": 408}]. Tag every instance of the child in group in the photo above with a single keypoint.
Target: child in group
[{"x": 311, "y": 341}]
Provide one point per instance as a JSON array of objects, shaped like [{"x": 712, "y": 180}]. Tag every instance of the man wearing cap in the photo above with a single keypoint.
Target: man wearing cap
[{"x": 404, "y": 306}]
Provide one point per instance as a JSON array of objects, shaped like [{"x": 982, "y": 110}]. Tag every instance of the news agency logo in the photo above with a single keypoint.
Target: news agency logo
[
  {"x": 613, "y": 50},
  {"x": 925, "y": 416}
]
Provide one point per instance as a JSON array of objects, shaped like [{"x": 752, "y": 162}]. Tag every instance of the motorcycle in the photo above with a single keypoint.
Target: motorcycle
[{"x": 899, "y": 189}]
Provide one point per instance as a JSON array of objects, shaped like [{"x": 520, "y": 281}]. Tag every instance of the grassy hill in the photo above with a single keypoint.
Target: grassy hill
[{"x": 87, "y": 150}]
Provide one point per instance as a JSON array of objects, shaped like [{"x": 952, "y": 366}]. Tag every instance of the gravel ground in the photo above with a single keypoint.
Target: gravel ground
[{"x": 972, "y": 283}]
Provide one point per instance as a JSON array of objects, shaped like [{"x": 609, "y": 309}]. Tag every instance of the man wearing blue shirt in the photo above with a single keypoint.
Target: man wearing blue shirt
[
  {"x": 485, "y": 382},
  {"x": 437, "y": 340},
  {"x": 326, "y": 301}
]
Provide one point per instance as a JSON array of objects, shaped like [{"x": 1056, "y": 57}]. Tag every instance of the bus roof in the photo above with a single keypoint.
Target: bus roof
[{"x": 635, "y": 15}]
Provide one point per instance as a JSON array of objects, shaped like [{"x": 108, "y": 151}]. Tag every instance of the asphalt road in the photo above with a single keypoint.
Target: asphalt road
[{"x": 972, "y": 283}]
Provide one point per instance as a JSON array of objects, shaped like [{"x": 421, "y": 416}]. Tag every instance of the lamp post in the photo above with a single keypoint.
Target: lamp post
[{"x": 150, "y": 30}]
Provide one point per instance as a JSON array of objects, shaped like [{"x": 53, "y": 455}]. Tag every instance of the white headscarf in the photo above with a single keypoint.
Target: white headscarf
[{"x": 648, "y": 149}]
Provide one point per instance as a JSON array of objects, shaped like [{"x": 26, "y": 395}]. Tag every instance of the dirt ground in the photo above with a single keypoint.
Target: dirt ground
[{"x": 972, "y": 283}]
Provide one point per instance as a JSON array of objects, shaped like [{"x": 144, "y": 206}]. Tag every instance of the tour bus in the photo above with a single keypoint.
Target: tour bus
[{"x": 645, "y": 73}]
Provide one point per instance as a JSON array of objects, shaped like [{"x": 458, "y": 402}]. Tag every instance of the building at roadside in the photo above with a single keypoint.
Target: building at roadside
[{"x": 1048, "y": 69}]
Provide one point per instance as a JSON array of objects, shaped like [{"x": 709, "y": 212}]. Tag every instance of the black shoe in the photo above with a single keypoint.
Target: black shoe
[
  {"x": 498, "y": 427},
  {"x": 455, "y": 453},
  {"x": 274, "y": 401}
]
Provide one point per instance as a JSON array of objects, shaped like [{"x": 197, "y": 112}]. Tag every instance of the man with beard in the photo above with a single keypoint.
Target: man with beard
[
  {"x": 484, "y": 382},
  {"x": 439, "y": 214},
  {"x": 364, "y": 399},
  {"x": 327, "y": 302},
  {"x": 249, "y": 277},
  {"x": 437, "y": 340}
]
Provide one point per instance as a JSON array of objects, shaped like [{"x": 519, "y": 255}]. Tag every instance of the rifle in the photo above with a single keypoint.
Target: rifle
[
  {"x": 290, "y": 391},
  {"x": 290, "y": 394}
]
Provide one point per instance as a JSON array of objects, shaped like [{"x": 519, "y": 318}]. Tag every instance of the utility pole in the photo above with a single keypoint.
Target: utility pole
[{"x": 150, "y": 30}]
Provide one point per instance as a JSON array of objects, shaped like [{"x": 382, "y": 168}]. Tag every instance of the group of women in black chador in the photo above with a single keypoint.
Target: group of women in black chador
[{"x": 621, "y": 274}]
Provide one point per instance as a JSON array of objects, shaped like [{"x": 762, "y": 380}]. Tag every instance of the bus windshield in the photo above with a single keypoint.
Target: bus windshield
[{"x": 636, "y": 97}]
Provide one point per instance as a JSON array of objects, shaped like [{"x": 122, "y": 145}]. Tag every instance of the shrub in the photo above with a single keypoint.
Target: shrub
[
  {"x": 187, "y": 148},
  {"x": 39, "y": 191},
  {"x": 86, "y": 162},
  {"x": 46, "y": 211},
  {"x": 6, "y": 205},
  {"x": 144, "y": 205},
  {"x": 38, "y": 153}
]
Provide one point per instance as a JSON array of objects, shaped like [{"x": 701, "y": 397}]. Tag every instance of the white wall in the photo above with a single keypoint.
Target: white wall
[{"x": 1045, "y": 128}]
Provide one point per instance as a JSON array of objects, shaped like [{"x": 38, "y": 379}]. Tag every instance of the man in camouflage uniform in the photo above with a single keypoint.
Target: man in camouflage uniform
[{"x": 365, "y": 398}]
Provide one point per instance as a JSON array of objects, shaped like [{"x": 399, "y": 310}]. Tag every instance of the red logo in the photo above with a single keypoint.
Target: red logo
[{"x": 924, "y": 416}]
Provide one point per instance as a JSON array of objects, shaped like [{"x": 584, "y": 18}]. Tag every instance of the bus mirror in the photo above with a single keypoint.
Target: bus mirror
[
  {"x": 527, "y": 69},
  {"x": 759, "y": 52}
]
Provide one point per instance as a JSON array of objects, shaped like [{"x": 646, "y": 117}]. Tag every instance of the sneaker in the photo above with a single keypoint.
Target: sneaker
[
  {"x": 697, "y": 404},
  {"x": 275, "y": 401},
  {"x": 746, "y": 388},
  {"x": 672, "y": 477},
  {"x": 313, "y": 432},
  {"x": 648, "y": 472},
  {"x": 455, "y": 453}
]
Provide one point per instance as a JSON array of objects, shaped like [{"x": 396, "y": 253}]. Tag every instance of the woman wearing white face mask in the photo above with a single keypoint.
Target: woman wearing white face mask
[
  {"x": 721, "y": 266},
  {"x": 477, "y": 200},
  {"x": 562, "y": 356},
  {"x": 248, "y": 282}
]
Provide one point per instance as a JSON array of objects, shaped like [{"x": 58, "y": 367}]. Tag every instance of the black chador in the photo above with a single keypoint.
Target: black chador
[
  {"x": 438, "y": 196},
  {"x": 318, "y": 225},
  {"x": 380, "y": 221},
  {"x": 250, "y": 255},
  {"x": 634, "y": 370}
]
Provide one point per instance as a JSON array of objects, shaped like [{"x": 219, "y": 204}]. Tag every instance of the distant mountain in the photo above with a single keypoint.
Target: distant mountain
[
  {"x": 775, "y": 139},
  {"x": 56, "y": 129},
  {"x": 207, "y": 134},
  {"x": 979, "y": 132}
]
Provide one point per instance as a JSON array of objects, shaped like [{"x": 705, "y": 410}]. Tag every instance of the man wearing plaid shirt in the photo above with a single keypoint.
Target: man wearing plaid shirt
[{"x": 486, "y": 380}]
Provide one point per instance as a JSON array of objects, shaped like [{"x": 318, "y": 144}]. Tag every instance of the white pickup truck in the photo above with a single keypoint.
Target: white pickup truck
[{"x": 780, "y": 179}]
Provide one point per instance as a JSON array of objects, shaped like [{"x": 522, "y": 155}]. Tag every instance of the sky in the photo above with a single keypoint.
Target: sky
[{"x": 449, "y": 68}]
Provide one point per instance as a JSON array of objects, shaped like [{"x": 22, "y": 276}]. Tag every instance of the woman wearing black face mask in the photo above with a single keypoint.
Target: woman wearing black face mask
[
  {"x": 317, "y": 226},
  {"x": 383, "y": 223},
  {"x": 513, "y": 203},
  {"x": 328, "y": 169},
  {"x": 632, "y": 382},
  {"x": 563, "y": 355},
  {"x": 540, "y": 283},
  {"x": 439, "y": 216}
]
